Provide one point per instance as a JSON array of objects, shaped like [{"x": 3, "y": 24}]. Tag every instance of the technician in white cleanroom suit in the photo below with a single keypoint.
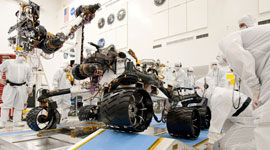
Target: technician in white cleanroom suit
[
  {"x": 190, "y": 77},
  {"x": 238, "y": 126},
  {"x": 224, "y": 66},
  {"x": 61, "y": 81},
  {"x": 168, "y": 74},
  {"x": 179, "y": 75},
  {"x": 18, "y": 85},
  {"x": 222, "y": 63},
  {"x": 216, "y": 74},
  {"x": 248, "y": 53}
]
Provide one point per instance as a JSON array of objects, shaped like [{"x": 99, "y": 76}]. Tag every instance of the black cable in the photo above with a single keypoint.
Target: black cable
[
  {"x": 82, "y": 42},
  {"x": 125, "y": 62},
  {"x": 156, "y": 118},
  {"x": 205, "y": 86},
  {"x": 239, "y": 99}
]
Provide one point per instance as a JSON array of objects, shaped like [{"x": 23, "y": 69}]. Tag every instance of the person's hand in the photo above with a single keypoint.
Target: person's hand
[
  {"x": 25, "y": 106},
  {"x": 210, "y": 146},
  {"x": 3, "y": 81},
  {"x": 199, "y": 88},
  {"x": 256, "y": 103},
  {"x": 29, "y": 90}
]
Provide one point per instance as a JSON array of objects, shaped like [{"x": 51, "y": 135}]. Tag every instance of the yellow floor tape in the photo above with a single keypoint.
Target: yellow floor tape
[
  {"x": 155, "y": 144},
  {"x": 202, "y": 142},
  {"x": 88, "y": 140}
]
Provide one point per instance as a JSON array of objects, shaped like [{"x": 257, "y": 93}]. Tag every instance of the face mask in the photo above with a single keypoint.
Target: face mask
[
  {"x": 21, "y": 59},
  {"x": 242, "y": 28},
  {"x": 214, "y": 67},
  {"x": 222, "y": 62},
  {"x": 177, "y": 68}
]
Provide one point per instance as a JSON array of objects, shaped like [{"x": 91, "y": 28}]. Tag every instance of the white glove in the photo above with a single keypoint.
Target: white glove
[
  {"x": 3, "y": 81},
  {"x": 29, "y": 90},
  {"x": 256, "y": 103}
]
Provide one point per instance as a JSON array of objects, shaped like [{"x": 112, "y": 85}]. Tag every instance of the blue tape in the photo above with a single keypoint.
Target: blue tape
[{"x": 14, "y": 133}]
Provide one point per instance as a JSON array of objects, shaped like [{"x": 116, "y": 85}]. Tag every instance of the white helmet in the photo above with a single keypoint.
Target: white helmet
[
  {"x": 214, "y": 62},
  {"x": 222, "y": 61},
  {"x": 247, "y": 20},
  {"x": 178, "y": 65},
  {"x": 190, "y": 69},
  {"x": 21, "y": 57}
]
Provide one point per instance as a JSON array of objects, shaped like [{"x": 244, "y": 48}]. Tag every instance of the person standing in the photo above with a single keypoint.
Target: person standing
[
  {"x": 190, "y": 77},
  {"x": 61, "y": 81},
  {"x": 179, "y": 75},
  {"x": 18, "y": 85},
  {"x": 216, "y": 74}
]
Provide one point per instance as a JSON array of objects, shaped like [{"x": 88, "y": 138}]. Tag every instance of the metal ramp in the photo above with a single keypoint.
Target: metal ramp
[
  {"x": 104, "y": 139},
  {"x": 155, "y": 137}
]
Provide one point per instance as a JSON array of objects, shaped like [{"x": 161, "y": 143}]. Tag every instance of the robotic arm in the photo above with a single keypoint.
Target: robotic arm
[{"x": 33, "y": 35}]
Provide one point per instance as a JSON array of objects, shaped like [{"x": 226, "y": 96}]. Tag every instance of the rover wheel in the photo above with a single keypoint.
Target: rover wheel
[
  {"x": 127, "y": 109},
  {"x": 205, "y": 117},
  {"x": 184, "y": 122},
  {"x": 37, "y": 119},
  {"x": 88, "y": 113}
]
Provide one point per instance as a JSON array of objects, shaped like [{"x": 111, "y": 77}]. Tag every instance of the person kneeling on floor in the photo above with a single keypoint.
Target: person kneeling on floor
[{"x": 232, "y": 112}]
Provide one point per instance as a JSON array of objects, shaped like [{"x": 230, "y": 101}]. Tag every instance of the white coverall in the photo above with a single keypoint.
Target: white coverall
[
  {"x": 60, "y": 81},
  {"x": 223, "y": 65},
  {"x": 239, "y": 131},
  {"x": 17, "y": 71},
  {"x": 218, "y": 75},
  {"x": 179, "y": 77},
  {"x": 248, "y": 53},
  {"x": 168, "y": 73},
  {"x": 190, "y": 78}
]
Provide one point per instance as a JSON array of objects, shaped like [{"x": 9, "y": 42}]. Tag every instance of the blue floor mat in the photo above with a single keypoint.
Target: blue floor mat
[{"x": 110, "y": 139}]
